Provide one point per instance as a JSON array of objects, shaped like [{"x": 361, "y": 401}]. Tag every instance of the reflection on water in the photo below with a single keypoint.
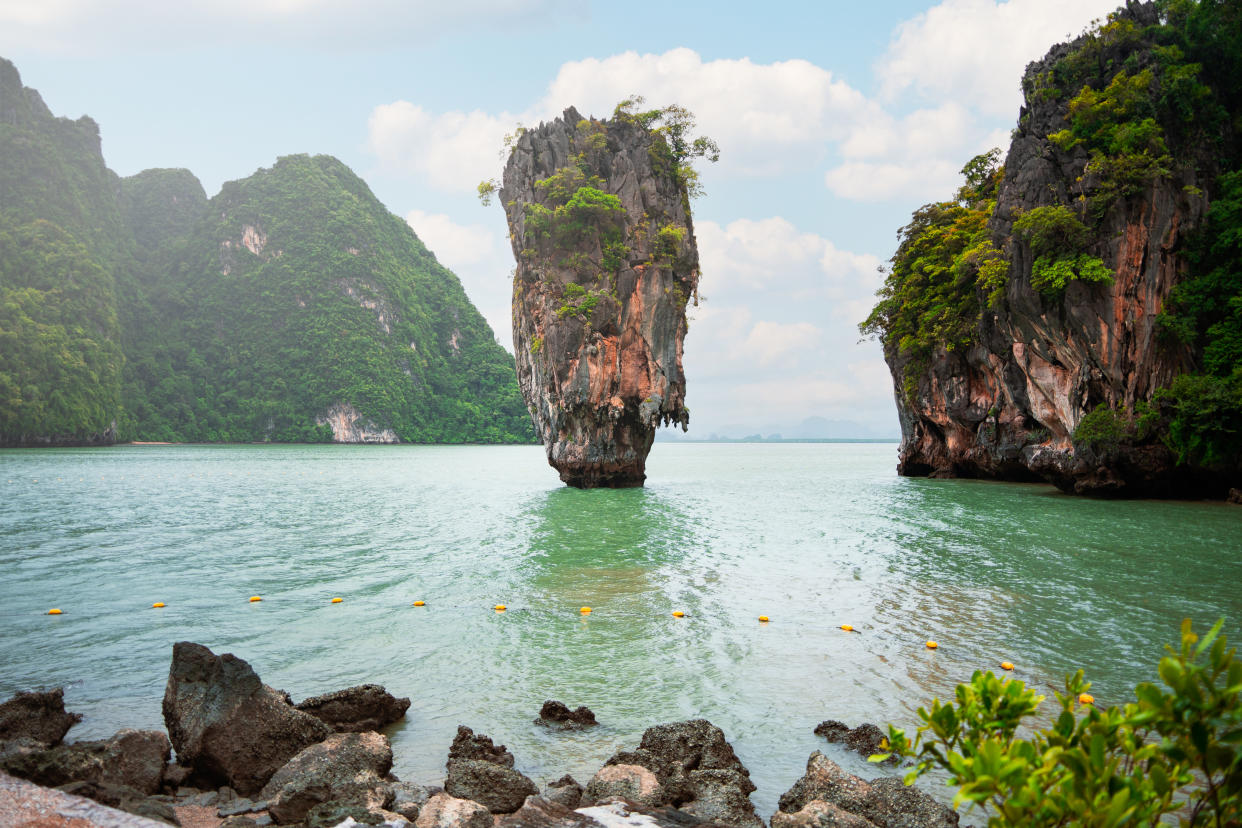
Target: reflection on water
[{"x": 812, "y": 536}]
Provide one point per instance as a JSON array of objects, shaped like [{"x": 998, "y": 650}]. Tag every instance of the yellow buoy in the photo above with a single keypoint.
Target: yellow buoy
[
  {"x": 1086, "y": 698},
  {"x": 157, "y": 605},
  {"x": 763, "y": 619},
  {"x": 420, "y": 603},
  {"x": 254, "y": 598},
  {"x": 847, "y": 627},
  {"x": 337, "y": 600},
  {"x": 500, "y": 608},
  {"x": 585, "y": 610},
  {"x": 678, "y": 614},
  {"x": 931, "y": 645},
  {"x": 1006, "y": 665},
  {"x": 53, "y": 612}
]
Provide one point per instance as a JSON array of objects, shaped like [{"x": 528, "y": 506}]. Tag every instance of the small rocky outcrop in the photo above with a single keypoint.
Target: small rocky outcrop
[
  {"x": 344, "y": 767},
  {"x": 558, "y": 716},
  {"x": 826, "y": 790},
  {"x": 228, "y": 725},
  {"x": 483, "y": 772},
  {"x": 697, "y": 770},
  {"x": 564, "y": 791},
  {"x": 37, "y": 715},
  {"x": 600, "y": 225},
  {"x": 467, "y": 745},
  {"x": 866, "y": 739},
  {"x": 356, "y": 709},
  {"x": 446, "y": 811},
  {"x": 132, "y": 758}
]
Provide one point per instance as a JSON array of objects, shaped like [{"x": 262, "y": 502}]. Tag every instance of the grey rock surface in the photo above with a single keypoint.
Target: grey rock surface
[
  {"x": 564, "y": 791},
  {"x": 885, "y": 802},
  {"x": 132, "y": 758},
  {"x": 446, "y": 811},
  {"x": 356, "y": 709},
  {"x": 37, "y": 715},
  {"x": 467, "y": 745},
  {"x": 698, "y": 771},
  {"x": 345, "y": 767},
  {"x": 228, "y": 725},
  {"x": 499, "y": 788},
  {"x": 558, "y": 716}
]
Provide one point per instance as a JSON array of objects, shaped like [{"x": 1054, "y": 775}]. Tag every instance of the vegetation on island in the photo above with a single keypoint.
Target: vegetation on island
[
  {"x": 576, "y": 225},
  {"x": 1143, "y": 102},
  {"x": 1175, "y": 751},
  {"x": 139, "y": 304},
  {"x": 297, "y": 291}
]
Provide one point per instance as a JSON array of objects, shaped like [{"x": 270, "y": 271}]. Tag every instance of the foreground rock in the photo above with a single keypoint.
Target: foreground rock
[
  {"x": 558, "y": 716},
  {"x": 37, "y": 715},
  {"x": 356, "y": 709},
  {"x": 228, "y": 725},
  {"x": 345, "y": 767},
  {"x": 866, "y": 739},
  {"x": 564, "y": 791},
  {"x": 132, "y": 758},
  {"x": 600, "y": 225},
  {"x": 826, "y": 792},
  {"x": 446, "y": 811},
  {"x": 620, "y": 813},
  {"x": 467, "y": 745},
  {"x": 483, "y": 772},
  {"x": 28, "y": 805},
  {"x": 697, "y": 772}
]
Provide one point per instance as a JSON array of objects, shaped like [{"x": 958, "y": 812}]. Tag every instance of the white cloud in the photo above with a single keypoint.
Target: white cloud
[
  {"x": 92, "y": 27},
  {"x": 976, "y": 50},
  {"x": 925, "y": 180},
  {"x": 455, "y": 150},
  {"x": 766, "y": 117},
  {"x": 776, "y": 339}
]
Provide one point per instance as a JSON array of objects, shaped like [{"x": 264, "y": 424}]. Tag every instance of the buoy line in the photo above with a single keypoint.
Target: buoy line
[{"x": 504, "y": 609}]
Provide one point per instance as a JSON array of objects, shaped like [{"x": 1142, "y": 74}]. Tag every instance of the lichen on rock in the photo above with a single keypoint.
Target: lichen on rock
[{"x": 599, "y": 219}]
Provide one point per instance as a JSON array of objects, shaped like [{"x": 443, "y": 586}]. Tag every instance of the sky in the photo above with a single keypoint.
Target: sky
[{"x": 835, "y": 121}]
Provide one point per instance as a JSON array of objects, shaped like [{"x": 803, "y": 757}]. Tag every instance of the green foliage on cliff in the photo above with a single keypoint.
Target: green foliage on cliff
[
  {"x": 1175, "y": 750},
  {"x": 297, "y": 291},
  {"x": 138, "y": 302},
  {"x": 931, "y": 293},
  {"x": 60, "y": 355},
  {"x": 1057, "y": 239}
]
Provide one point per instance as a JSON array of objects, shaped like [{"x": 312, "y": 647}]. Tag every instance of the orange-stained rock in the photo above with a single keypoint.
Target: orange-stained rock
[
  {"x": 1006, "y": 407},
  {"x": 600, "y": 292}
]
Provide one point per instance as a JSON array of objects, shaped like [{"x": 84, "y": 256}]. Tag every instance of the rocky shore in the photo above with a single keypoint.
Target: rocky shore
[{"x": 247, "y": 756}]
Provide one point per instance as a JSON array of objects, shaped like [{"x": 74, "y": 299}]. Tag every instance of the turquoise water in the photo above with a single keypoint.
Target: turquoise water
[{"x": 811, "y": 535}]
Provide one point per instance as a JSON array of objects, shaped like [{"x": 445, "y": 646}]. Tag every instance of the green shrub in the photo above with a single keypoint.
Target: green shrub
[
  {"x": 1171, "y": 750},
  {"x": 1057, "y": 239}
]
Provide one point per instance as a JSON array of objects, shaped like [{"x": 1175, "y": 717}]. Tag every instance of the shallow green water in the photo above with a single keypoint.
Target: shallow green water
[{"x": 812, "y": 535}]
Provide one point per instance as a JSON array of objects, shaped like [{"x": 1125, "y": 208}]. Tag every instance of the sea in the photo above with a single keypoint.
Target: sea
[{"x": 812, "y": 536}]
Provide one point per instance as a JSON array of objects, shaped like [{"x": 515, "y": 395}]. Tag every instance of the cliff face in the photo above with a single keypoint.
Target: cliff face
[
  {"x": 606, "y": 262},
  {"x": 62, "y": 244},
  {"x": 1007, "y": 405}
]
